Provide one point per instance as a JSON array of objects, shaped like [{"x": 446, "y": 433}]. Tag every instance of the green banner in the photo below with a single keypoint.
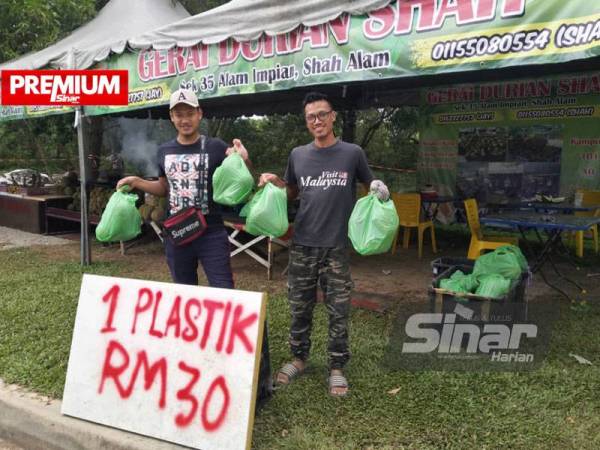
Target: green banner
[
  {"x": 406, "y": 38},
  {"x": 29, "y": 112},
  {"x": 511, "y": 140}
]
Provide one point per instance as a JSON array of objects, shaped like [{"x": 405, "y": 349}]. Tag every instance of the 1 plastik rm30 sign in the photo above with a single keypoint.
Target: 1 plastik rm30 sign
[{"x": 175, "y": 362}]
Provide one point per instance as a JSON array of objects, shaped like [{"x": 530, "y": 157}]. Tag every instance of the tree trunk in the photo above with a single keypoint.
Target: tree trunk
[
  {"x": 384, "y": 114},
  {"x": 349, "y": 125}
]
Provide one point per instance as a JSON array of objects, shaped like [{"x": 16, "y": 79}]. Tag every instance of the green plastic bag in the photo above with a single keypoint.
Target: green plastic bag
[
  {"x": 460, "y": 282},
  {"x": 232, "y": 181},
  {"x": 452, "y": 285},
  {"x": 518, "y": 255},
  {"x": 266, "y": 213},
  {"x": 493, "y": 285},
  {"x": 468, "y": 283},
  {"x": 120, "y": 220},
  {"x": 372, "y": 225},
  {"x": 506, "y": 261}
]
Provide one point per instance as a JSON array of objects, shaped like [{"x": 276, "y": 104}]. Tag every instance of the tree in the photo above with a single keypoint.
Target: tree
[
  {"x": 26, "y": 26},
  {"x": 269, "y": 139},
  {"x": 30, "y": 25},
  {"x": 199, "y": 6}
]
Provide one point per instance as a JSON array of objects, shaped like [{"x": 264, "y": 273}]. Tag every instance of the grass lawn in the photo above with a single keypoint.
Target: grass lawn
[{"x": 557, "y": 406}]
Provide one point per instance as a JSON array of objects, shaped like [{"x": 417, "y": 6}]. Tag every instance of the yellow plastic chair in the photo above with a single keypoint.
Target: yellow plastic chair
[
  {"x": 479, "y": 242},
  {"x": 408, "y": 207},
  {"x": 589, "y": 198}
]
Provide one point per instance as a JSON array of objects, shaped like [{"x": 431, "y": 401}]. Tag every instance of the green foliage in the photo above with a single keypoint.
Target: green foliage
[
  {"x": 37, "y": 314},
  {"x": 29, "y": 25},
  {"x": 268, "y": 139},
  {"x": 48, "y": 144},
  {"x": 199, "y": 6}
]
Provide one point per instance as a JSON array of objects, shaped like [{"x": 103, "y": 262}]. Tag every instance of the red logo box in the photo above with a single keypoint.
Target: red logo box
[{"x": 64, "y": 87}]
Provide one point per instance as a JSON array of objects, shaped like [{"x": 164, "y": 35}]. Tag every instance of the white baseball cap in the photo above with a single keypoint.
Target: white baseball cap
[{"x": 186, "y": 96}]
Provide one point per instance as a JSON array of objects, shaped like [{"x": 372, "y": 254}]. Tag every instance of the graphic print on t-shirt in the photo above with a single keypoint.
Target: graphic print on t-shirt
[
  {"x": 326, "y": 180},
  {"x": 188, "y": 181}
]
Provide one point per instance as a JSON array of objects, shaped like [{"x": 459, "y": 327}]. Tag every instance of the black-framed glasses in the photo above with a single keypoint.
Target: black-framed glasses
[{"x": 321, "y": 115}]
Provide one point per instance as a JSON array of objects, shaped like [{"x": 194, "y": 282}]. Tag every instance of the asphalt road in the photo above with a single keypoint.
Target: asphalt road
[{"x": 12, "y": 238}]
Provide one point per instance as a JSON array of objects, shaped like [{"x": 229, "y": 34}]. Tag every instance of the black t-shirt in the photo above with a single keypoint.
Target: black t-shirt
[
  {"x": 326, "y": 179},
  {"x": 189, "y": 171}
]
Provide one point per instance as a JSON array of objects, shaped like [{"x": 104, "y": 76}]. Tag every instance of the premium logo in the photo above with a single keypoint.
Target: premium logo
[{"x": 64, "y": 87}]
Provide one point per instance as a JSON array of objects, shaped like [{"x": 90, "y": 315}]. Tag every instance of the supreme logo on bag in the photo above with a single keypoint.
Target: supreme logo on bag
[
  {"x": 64, "y": 87},
  {"x": 185, "y": 226}
]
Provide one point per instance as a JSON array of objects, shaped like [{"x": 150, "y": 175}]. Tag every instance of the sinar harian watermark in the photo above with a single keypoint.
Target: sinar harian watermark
[{"x": 471, "y": 335}]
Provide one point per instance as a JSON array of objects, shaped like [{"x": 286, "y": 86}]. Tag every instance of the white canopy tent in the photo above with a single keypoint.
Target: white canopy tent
[
  {"x": 162, "y": 24},
  {"x": 246, "y": 20},
  {"x": 106, "y": 33}
]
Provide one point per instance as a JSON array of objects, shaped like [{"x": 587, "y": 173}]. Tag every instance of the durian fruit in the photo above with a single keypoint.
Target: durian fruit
[
  {"x": 151, "y": 200},
  {"x": 145, "y": 211},
  {"x": 158, "y": 214},
  {"x": 92, "y": 205},
  {"x": 103, "y": 198},
  {"x": 77, "y": 199},
  {"x": 162, "y": 203}
]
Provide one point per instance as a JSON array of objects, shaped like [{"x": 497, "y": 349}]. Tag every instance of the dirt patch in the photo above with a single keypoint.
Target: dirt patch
[
  {"x": 385, "y": 276},
  {"x": 386, "y": 279}
]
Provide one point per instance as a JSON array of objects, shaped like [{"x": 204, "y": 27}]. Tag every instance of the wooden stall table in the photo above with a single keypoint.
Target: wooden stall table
[
  {"x": 75, "y": 216},
  {"x": 66, "y": 215},
  {"x": 28, "y": 212}
]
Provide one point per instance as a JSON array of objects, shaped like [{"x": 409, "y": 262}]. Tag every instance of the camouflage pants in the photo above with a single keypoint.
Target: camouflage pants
[{"x": 329, "y": 268}]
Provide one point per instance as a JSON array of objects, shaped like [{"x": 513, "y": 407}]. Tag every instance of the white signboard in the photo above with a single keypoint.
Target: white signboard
[{"x": 175, "y": 362}]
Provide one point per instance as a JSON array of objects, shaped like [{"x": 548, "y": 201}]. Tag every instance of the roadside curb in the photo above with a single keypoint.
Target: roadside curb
[{"x": 35, "y": 422}]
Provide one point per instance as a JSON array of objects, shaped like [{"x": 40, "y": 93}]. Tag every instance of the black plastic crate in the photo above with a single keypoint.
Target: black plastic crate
[
  {"x": 511, "y": 307},
  {"x": 439, "y": 265}
]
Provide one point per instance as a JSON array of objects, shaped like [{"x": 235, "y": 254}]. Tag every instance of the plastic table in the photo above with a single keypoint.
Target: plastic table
[{"x": 552, "y": 225}]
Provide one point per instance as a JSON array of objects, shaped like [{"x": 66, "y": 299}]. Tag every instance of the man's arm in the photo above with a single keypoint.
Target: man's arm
[
  {"x": 238, "y": 147},
  {"x": 292, "y": 190},
  {"x": 158, "y": 187}
]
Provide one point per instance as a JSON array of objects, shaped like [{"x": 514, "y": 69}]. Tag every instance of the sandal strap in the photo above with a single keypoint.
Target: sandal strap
[
  {"x": 290, "y": 370},
  {"x": 338, "y": 381}
]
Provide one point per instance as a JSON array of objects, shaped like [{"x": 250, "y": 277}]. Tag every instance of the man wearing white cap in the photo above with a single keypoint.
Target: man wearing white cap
[{"x": 186, "y": 167}]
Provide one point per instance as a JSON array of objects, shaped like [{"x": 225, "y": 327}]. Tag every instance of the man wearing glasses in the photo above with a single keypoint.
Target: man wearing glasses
[{"x": 323, "y": 175}]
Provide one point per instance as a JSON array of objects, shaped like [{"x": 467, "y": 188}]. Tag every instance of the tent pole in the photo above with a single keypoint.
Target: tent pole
[{"x": 86, "y": 256}]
